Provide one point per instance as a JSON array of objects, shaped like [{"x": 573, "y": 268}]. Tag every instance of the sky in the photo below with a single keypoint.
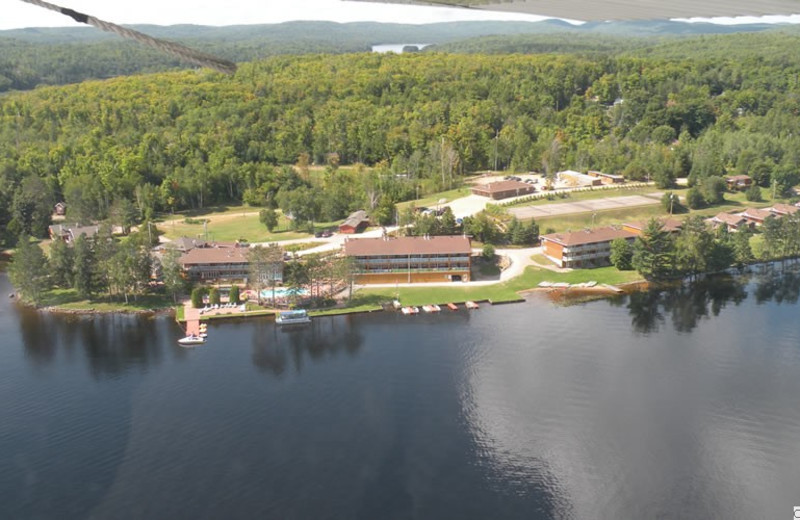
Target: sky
[{"x": 18, "y": 14}]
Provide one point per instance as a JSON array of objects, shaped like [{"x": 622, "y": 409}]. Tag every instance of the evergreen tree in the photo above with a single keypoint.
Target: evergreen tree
[
  {"x": 234, "y": 295},
  {"x": 693, "y": 246},
  {"x": 621, "y": 254},
  {"x": 61, "y": 263},
  {"x": 28, "y": 270},
  {"x": 653, "y": 252},
  {"x": 85, "y": 268}
]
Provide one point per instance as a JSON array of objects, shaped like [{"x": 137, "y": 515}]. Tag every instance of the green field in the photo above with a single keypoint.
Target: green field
[
  {"x": 68, "y": 300},
  {"x": 586, "y": 195},
  {"x": 231, "y": 224},
  {"x": 590, "y": 219},
  {"x": 434, "y": 199},
  {"x": 502, "y": 292}
]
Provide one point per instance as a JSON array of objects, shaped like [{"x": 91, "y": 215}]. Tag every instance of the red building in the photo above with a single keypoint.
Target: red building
[
  {"x": 588, "y": 248},
  {"x": 503, "y": 189}
]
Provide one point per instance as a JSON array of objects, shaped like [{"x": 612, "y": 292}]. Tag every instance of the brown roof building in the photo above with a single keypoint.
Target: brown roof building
[
  {"x": 671, "y": 225},
  {"x": 756, "y": 216},
  {"x": 588, "y": 248},
  {"x": 355, "y": 223},
  {"x": 733, "y": 221},
  {"x": 503, "y": 189},
  {"x": 220, "y": 262},
  {"x": 780, "y": 210},
  {"x": 410, "y": 259},
  {"x": 738, "y": 182}
]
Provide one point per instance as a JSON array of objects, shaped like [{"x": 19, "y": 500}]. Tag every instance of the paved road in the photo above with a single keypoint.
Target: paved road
[{"x": 585, "y": 206}]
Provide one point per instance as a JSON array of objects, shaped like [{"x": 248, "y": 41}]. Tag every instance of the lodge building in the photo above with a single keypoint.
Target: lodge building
[
  {"x": 410, "y": 259},
  {"x": 588, "y": 248}
]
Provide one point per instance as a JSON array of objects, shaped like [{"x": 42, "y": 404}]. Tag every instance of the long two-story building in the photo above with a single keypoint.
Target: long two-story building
[
  {"x": 588, "y": 248},
  {"x": 410, "y": 259}
]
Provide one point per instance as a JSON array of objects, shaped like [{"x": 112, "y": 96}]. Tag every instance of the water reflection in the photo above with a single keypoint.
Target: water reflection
[
  {"x": 275, "y": 347},
  {"x": 110, "y": 343}
]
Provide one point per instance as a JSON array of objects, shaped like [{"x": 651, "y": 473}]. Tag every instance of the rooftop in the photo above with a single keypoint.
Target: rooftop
[
  {"x": 588, "y": 236},
  {"x": 784, "y": 209},
  {"x": 391, "y": 246},
  {"x": 500, "y": 186},
  {"x": 730, "y": 219},
  {"x": 756, "y": 214},
  {"x": 215, "y": 255}
]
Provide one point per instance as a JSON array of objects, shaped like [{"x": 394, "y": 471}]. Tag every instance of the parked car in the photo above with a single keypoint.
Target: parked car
[{"x": 326, "y": 234}]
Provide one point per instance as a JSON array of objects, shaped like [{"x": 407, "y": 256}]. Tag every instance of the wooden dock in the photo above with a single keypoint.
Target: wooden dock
[{"x": 193, "y": 327}]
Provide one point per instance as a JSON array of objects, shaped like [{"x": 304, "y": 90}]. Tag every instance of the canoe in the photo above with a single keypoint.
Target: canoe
[
  {"x": 452, "y": 306},
  {"x": 471, "y": 305}
]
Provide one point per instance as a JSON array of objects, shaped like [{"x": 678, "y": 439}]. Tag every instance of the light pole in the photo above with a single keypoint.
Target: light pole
[{"x": 671, "y": 202}]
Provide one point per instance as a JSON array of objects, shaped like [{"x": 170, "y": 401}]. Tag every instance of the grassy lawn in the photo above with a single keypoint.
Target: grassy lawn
[
  {"x": 433, "y": 199},
  {"x": 503, "y": 292},
  {"x": 576, "y": 221},
  {"x": 68, "y": 299},
  {"x": 228, "y": 226}
]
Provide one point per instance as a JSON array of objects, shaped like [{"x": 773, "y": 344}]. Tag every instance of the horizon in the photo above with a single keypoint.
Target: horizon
[{"x": 21, "y": 15}]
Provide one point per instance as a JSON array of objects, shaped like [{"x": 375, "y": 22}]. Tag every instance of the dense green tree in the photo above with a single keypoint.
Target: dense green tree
[
  {"x": 172, "y": 272},
  {"x": 621, "y": 254},
  {"x": 693, "y": 246},
  {"x": 61, "y": 263},
  {"x": 29, "y": 271},
  {"x": 85, "y": 275},
  {"x": 753, "y": 193},
  {"x": 713, "y": 190},
  {"x": 654, "y": 252},
  {"x": 234, "y": 294},
  {"x": 268, "y": 217},
  {"x": 197, "y": 297},
  {"x": 213, "y": 296},
  {"x": 694, "y": 198}
]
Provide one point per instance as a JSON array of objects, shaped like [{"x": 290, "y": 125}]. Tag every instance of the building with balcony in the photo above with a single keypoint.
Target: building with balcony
[
  {"x": 588, "y": 248},
  {"x": 410, "y": 259},
  {"x": 218, "y": 262}
]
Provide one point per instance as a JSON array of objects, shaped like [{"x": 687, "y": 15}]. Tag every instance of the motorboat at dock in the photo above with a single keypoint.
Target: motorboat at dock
[{"x": 292, "y": 317}]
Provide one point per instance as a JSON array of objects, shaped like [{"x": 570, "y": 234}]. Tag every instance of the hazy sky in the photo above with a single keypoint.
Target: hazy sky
[{"x": 18, "y": 14}]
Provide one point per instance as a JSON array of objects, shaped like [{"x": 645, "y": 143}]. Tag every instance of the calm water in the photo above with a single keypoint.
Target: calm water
[{"x": 672, "y": 405}]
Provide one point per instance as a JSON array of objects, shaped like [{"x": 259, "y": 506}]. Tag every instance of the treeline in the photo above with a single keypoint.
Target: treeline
[
  {"x": 97, "y": 267},
  {"x": 136, "y": 146},
  {"x": 659, "y": 255}
]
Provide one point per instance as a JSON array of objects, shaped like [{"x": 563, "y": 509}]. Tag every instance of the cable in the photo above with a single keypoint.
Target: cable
[{"x": 180, "y": 51}]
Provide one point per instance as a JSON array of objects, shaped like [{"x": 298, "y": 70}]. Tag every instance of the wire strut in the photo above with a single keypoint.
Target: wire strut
[{"x": 176, "y": 49}]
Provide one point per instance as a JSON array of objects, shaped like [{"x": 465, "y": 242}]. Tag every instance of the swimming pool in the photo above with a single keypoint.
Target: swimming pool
[{"x": 282, "y": 292}]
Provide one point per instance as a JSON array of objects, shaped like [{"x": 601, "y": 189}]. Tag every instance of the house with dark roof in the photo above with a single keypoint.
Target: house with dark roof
[
  {"x": 503, "y": 189},
  {"x": 410, "y": 259},
  {"x": 355, "y": 223},
  {"x": 69, "y": 233},
  {"x": 587, "y": 248},
  {"x": 217, "y": 262}
]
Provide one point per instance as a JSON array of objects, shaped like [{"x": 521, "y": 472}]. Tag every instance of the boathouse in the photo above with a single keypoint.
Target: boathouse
[{"x": 410, "y": 259}]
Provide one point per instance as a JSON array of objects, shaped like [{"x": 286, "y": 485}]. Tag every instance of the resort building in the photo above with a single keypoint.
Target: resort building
[
  {"x": 70, "y": 233},
  {"x": 755, "y": 216},
  {"x": 588, "y": 248},
  {"x": 734, "y": 222},
  {"x": 573, "y": 178},
  {"x": 738, "y": 182},
  {"x": 671, "y": 225},
  {"x": 220, "y": 262},
  {"x": 503, "y": 189},
  {"x": 410, "y": 259},
  {"x": 607, "y": 178},
  {"x": 780, "y": 210},
  {"x": 355, "y": 223}
]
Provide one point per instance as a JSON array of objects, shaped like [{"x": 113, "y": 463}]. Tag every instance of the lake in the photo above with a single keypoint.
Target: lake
[{"x": 676, "y": 404}]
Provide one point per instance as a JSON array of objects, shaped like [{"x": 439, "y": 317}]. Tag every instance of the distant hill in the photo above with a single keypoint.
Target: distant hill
[{"x": 52, "y": 56}]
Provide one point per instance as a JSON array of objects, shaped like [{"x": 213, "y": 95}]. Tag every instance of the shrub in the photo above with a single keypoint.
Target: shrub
[
  {"x": 197, "y": 297},
  {"x": 753, "y": 193},
  {"x": 234, "y": 297},
  {"x": 213, "y": 296},
  {"x": 694, "y": 199},
  {"x": 488, "y": 252}
]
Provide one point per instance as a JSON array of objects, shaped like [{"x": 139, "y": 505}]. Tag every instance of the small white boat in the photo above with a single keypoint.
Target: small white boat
[
  {"x": 396, "y": 304},
  {"x": 191, "y": 339},
  {"x": 431, "y": 308},
  {"x": 471, "y": 305},
  {"x": 292, "y": 317},
  {"x": 410, "y": 310}
]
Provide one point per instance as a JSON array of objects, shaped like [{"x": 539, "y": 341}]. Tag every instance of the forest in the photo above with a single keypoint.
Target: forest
[{"x": 367, "y": 130}]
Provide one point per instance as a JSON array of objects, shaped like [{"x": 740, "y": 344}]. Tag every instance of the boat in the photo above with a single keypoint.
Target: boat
[
  {"x": 410, "y": 310},
  {"x": 427, "y": 308},
  {"x": 396, "y": 304},
  {"x": 434, "y": 308},
  {"x": 471, "y": 305},
  {"x": 191, "y": 339},
  {"x": 452, "y": 306},
  {"x": 292, "y": 317}
]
